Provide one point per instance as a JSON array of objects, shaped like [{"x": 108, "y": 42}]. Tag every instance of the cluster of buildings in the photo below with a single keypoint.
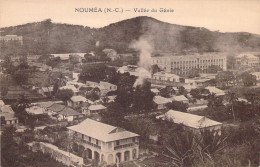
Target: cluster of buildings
[
  {"x": 247, "y": 59},
  {"x": 9, "y": 38}
]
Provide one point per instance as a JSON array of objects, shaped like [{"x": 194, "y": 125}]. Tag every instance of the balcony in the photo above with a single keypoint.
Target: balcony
[
  {"x": 123, "y": 146},
  {"x": 91, "y": 144}
]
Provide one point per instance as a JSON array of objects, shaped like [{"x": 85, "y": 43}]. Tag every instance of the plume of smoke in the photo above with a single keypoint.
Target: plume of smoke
[
  {"x": 144, "y": 47},
  {"x": 97, "y": 44}
]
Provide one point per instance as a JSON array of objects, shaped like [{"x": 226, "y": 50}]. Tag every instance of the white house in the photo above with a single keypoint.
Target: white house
[
  {"x": 108, "y": 86},
  {"x": 105, "y": 143},
  {"x": 257, "y": 75},
  {"x": 79, "y": 101},
  {"x": 7, "y": 113},
  {"x": 93, "y": 109},
  {"x": 155, "y": 91},
  {"x": 215, "y": 90},
  {"x": 180, "y": 98},
  {"x": 161, "y": 102},
  {"x": 191, "y": 121},
  {"x": 163, "y": 76}
]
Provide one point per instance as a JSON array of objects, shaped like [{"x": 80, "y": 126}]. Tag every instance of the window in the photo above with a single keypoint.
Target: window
[
  {"x": 96, "y": 142},
  {"x": 134, "y": 139},
  {"x": 89, "y": 139},
  {"x": 82, "y": 136},
  {"x": 117, "y": 143}
]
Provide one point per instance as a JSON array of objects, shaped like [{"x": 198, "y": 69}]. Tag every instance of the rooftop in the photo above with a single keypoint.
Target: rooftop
[
  {"x": 161, "y": 100},
  {"x": 36, "y": 110},
  {"x": 190, "y": 120},
  {"x": 78, "y": 99},
  {"x": 179, "y": 98},
  {"x": 101, "y": 131},
  {"x": 96, "y": 107},
  {"x": 215, "y": 90},
  {"x": 56, "y": 107},
  {"x": 69, "y": 112}
]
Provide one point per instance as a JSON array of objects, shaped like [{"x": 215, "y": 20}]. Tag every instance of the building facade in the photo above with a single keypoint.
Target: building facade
[
  {"x": 247, "y": 59},
  {"x": 104, "y": 143},
  {"x": 9, "y": 38},
  {"x": 186, "y": 64}
]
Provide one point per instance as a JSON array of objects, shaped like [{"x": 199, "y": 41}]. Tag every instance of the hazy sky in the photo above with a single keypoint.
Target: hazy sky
[{"x": 222, "y": 15}]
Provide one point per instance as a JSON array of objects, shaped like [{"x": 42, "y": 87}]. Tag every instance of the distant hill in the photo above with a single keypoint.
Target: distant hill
[{"x": 47, "y": 37}]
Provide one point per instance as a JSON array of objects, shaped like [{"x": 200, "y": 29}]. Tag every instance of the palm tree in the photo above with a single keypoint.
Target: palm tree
[
  {"x": 232, "y": 98},
  {"x": 183, "y": 149}
]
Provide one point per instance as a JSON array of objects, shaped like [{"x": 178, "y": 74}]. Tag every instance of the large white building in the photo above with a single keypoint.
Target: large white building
[
  {"x": 105, "y": 143},
  {"x": 186, "y": 64},
  {"x": 247, "y": 59}
]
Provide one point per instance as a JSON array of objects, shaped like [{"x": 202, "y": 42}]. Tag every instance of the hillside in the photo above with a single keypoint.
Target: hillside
[{"x": 47, "y": 37}]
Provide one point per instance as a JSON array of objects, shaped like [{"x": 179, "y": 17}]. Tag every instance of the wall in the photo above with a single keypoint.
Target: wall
[{"x": 64, "y": 157}]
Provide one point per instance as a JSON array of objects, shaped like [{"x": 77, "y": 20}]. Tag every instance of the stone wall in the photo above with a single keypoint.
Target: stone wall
[{"x": 64, "y": 157}]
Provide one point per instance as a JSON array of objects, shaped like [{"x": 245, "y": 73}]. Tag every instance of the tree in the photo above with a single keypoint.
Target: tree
[
  {"x": 213, "y": 69},
  {"x": 155, "y": 68},
  {"x": 253, "y": 96},
  {"x": 4, "y": 91},
  {"x": 195, "y": 93},
  {"x": 214, "y": 101},
  {"x": 64, "y": 94},
  {"x": 143, "y": 97},
  {"x": 94, "y": 73},
  {"x": 21, "y": 77},
  {"x": 248, "y": 79},
  {"x": 182, "y": 90},
  {"x": 19, "y": 108},
  {"x": 53, "y": 62},
  {"x": 182, "y": 149},
  {"x": 232, "y": 98},
  {"x": 114, "y": 115},
  {"x": 224, "y": 78},
  {"x": 167, "y": 92},
  {"x": 8, "y": 146},
  {"x": 55, "y": 87},
  {"x": 93, "y": 96},
  {"x": 211, "y": 142},
  {"x": 178, "y": 106}
]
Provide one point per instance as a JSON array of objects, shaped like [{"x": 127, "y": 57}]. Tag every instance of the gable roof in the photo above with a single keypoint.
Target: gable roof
[
  {"x": 2, "y": 103},
  {"x": 190, "y": 120},
  {"x": 101, "y": 131},
  {"x": 45, "y": 104},
  {"x": 179, "y": 98},
  {"x": 78, "y": 99},
  {"x": 6, "y": 109},
  {"x": 47, "y": 89},
  {"x": 96, "y": 107},
  {"x": 155, "y": 90},
  {"x": 69, "y": 112},
  {"x": 215, "y": 90},
  {"x": 36, "y": 110},
  {"x": 161, "y": 100},
  {"x": 56, "y": 107},
  {"x": 72, "y": 87}
]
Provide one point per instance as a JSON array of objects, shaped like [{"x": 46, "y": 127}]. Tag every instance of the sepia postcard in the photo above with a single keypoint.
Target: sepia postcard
[{"x": 117, "y": 83}]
